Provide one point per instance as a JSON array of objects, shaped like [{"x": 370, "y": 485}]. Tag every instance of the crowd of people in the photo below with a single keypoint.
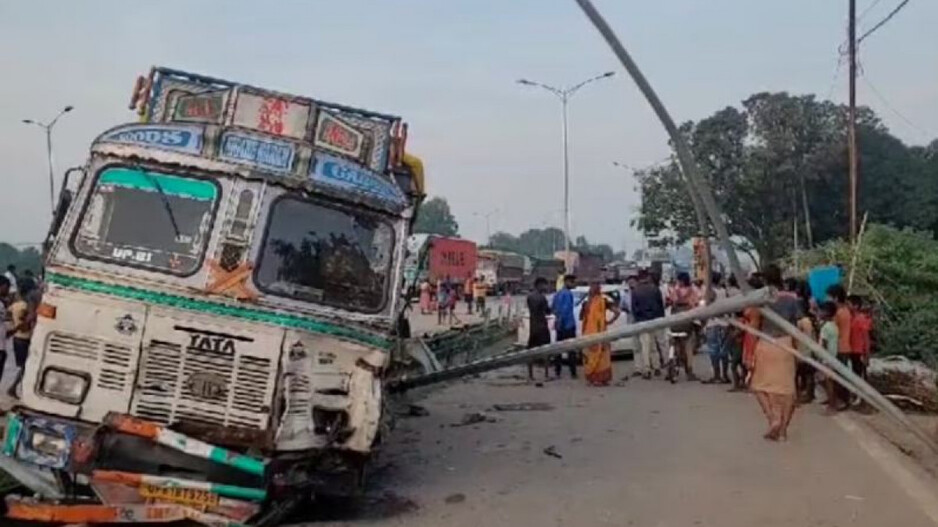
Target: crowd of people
[
  {"x": 757, "y": 359},
  {"x": 444, "y": 295},
  {"x": 19, "y": 300}
]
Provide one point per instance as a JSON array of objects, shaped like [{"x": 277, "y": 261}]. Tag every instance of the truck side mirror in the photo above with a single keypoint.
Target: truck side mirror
[{"x": 67, "y": 192}]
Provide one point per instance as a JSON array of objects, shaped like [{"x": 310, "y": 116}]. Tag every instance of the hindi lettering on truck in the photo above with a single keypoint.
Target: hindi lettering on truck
[{"x": 451, "y": 259}]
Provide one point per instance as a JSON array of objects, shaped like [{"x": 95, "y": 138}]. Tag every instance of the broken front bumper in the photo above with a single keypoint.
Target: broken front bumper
[{"x": 125, "y": 471}]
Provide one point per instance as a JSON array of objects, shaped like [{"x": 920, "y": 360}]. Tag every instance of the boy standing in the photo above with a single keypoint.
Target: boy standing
[
  {"x": 830, "y": 337},
  {"x": 861, "y": 325}
]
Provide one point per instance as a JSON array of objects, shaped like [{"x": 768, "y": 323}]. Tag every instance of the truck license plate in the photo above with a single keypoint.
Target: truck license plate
[{"x": 193, "y": 497}]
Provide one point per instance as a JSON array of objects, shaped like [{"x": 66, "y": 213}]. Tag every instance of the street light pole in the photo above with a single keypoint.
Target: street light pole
[
  {"x": 566, "y": 188},
  {"x": 564, "y": 96},
  {"x": 48, "y": 129},
  {"x": 488, "y": 229}
]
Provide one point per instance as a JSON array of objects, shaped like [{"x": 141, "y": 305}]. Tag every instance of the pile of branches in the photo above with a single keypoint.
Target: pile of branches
[
  {"x": 911, "y": 385},
  {"x": 896, "y": 270}
]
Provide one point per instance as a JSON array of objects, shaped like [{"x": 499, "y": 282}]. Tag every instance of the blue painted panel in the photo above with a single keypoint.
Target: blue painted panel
[
  {"x": 180, "y": 138},
  {"x": 336, "y": 172},
  {"x": 268, "y": 154}
]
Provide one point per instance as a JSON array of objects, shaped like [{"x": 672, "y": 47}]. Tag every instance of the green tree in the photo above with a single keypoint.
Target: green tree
[
  {"x": 779, "y": 161},
  {"x": 27, "y": 258},
  {"x": 435, "y": 217}
]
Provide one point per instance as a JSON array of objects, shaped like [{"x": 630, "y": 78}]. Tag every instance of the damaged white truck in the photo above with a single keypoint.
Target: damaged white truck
[{"x": 223, "y": 286}]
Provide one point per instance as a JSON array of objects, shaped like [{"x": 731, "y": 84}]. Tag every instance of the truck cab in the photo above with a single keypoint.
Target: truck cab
[{"x": 220, "y": 304}]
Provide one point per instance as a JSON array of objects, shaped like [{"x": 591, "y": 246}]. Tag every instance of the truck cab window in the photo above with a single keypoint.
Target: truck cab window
[
  {"x": 324, "y": 254},
  {"x": 147, "y": 219}
]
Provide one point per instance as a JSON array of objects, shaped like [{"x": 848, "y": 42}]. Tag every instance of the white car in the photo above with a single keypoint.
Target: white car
[{"x": 613, "y": 293}]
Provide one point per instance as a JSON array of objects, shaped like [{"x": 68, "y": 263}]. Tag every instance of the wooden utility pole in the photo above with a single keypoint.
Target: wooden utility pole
[{"x": 852, "y": 120}]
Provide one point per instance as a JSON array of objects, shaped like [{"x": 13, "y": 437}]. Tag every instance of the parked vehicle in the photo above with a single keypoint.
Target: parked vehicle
[
  {"x": 433, "y": 258},
  {"x": 549, "y": 269},
  {"x": 589, "y": 268},
  {"x": 220, "y": 310},
  {"x": 508, "y": 270}
]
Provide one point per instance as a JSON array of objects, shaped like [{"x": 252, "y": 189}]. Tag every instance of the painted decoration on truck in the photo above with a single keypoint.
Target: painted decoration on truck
[
  {"x": 337, "y": 172},
  {"x": 200, "y": 108},
  {"x": 180, "y": 138},
  {"x": 274, "y": 115},
  {"x": 334, "y": 134},
  {"x": 269, "y": 154},
  {"x": 377, "y": 134}
]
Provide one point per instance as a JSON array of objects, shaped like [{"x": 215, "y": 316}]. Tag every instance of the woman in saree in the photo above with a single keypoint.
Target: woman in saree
[
  {"x": 773, "y": 369},
  {"x": 597, "y": 359}
]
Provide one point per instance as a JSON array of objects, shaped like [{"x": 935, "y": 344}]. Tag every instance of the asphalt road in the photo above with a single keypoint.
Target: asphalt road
[{"x": 645, "y": 454}]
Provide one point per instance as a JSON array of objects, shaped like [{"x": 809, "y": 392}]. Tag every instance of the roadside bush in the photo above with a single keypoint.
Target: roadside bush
[{"x": 898, "y": 271}]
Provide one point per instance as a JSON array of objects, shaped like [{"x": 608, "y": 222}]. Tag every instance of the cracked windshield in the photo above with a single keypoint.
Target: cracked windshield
[
  {"x": 462, "y": 263},
  {"x": 327, "y": 255}
]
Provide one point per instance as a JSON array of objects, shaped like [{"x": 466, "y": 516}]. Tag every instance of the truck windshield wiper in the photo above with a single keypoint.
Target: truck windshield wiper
[{"x": 166, "y": 205}]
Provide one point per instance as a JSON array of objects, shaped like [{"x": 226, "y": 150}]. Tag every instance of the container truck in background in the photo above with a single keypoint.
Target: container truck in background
[
  {"x": 500, "y": 270},
  {"x": 548, "y": 268},
  {"x": 434, "y": 258},
  {"x": 589, "y": 268}
]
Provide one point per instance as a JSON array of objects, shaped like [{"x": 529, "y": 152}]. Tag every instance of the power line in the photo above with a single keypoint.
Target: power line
[
  {"x": 868, "y": 9},
  {"x": 836, "y": 74},
  {"x": 892, "y": 109},
  {"x": 882, "y": 22}
]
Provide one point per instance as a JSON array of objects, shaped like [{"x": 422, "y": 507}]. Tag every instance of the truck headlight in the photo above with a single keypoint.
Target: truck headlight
[
  {"x": 66, "y": 386},
  {"x": 48, "y": 444}
]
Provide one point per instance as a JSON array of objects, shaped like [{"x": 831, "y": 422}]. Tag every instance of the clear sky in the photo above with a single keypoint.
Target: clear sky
[{"x": 449, "y": 68}]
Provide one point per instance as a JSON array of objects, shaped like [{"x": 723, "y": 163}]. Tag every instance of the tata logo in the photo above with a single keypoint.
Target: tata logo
[
  {"x": 211, "y": 343},
  {"x": 206, "y": 385}
]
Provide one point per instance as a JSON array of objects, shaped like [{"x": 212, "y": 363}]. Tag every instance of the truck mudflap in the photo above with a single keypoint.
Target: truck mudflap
[{"x": 96, "y": 493}]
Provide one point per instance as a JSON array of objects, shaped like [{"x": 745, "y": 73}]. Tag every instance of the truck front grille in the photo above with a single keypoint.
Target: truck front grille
[{"x": 185, "y": 384}]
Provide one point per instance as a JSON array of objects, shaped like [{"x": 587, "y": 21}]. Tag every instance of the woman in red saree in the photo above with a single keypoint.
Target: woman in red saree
[{"x": 597, "y": 359}]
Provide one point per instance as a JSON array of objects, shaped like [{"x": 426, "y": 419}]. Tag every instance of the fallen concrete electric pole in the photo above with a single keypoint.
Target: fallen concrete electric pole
[{"x": 722, "y": 307}]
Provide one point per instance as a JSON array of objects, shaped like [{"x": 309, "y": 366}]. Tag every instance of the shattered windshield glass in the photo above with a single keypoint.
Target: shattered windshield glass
[
  {"x": 147, "y": 219},
  {"x": 327, "y": 255}
]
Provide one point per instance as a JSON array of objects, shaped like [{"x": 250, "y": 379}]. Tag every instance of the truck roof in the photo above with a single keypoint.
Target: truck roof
[{"x": 211, "y": 123}]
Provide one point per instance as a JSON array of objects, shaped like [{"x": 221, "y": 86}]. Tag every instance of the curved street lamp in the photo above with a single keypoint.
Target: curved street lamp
[
  {"x": 564, "y": 95},
  {"x": 48, "y": 130}
]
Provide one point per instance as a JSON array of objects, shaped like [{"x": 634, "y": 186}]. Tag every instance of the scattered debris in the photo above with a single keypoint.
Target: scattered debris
[
  {"x": 475, "y": 418},
  {"x": 552, "y": 452},
  {"x": 576, "y": 439},
  {"x": 522, "y": 407},
  {"x": 539, "y": 384},
  {"x": 905, "y": 402},
  {"x": 455, "y": 498},
  {"x": 854, "y": 498},
  {"x": 415, "y": 410}
]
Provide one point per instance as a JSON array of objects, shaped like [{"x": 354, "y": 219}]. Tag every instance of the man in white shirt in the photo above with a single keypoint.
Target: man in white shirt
[{"x": 10, "y": 275}]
